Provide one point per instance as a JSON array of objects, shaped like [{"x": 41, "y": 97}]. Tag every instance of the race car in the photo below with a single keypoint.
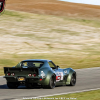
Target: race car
[{"x": 38, "y": 72}]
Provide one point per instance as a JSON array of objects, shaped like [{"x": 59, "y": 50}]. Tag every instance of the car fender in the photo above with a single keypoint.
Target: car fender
[
  {"x": 69, "y": 75},
  {"x": 48, "y": 76}
]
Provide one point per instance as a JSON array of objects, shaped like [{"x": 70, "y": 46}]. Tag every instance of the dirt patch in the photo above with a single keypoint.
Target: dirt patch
[{"x": 55, "y": 7}]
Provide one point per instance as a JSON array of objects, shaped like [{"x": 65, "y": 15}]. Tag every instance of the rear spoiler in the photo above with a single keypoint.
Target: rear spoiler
[{"x": 8, "y": 69}]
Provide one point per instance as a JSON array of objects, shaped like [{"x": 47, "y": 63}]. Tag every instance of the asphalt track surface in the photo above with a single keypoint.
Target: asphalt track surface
[{"x": 86, "y": 79}]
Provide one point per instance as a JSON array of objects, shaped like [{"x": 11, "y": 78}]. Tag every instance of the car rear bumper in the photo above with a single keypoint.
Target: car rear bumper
[{"x": 27, "y": 79}]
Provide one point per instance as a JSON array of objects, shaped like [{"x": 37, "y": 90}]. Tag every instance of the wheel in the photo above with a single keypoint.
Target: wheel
[
  {"x": 52, "y": 82},
  {"x": 12, "y": 85},
  {"x": 73, "y": 80}
]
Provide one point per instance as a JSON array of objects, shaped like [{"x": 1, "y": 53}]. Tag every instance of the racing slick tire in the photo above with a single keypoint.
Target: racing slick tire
[
  {"x": 12, "y": 85},
  {"x": 52, "y": 82},
  {"x": 73, "y": 80}
]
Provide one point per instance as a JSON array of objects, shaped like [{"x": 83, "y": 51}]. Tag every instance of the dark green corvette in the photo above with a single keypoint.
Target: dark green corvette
[{"x": 38, "y": 72}]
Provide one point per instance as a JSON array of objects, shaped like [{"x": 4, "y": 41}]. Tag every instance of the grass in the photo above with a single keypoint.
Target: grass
[
  {"x": 15, "y": 14},
  {"x": 69, "y": 42},
  {"x": 90, "y": 95},
  {"x": 25, "y": 35},
  {"x": 85, "y": 21},
  {"x": 73, "y": 33},
  {"x": 20, "y": 16}
]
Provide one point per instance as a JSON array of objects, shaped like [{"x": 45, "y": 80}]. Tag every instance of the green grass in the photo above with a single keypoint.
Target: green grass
[
  {"x": 21, "y": 16},
  {"x": 65, "y": 31},
  {"x": 15, "y": 14},
  {"x": 85, "y": 21},
  {"x": 90, "y": 95},
  {"x": 25, "y": 35}
]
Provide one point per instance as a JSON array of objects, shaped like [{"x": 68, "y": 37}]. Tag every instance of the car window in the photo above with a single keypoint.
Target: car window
[
  {"x": 51, "y": 65},
  {"x": 18, "y": 65},
  {"x": 38, "y": 64},
  {"x": 30, "y": 64}
]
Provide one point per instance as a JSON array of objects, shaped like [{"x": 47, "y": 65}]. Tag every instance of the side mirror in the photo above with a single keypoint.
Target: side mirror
[{"x": 58, "y": 66}]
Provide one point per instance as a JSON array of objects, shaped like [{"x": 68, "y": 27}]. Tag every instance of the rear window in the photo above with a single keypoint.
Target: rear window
[{"x": 30, "y": 64}]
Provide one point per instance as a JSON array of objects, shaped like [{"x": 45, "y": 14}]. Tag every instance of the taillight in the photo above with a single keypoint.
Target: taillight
[
  {"x": 40, "y": 79},
  {"x": 13, "y": 74},
  {"x": 34, "y": 75},
  {"x": 9, "y": 74},
  {"x": 30, "y": 75}
]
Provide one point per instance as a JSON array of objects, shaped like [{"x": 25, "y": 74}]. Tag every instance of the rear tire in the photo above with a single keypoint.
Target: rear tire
[
  {"x": 52, "y": 82},
  {"x": 12, "y": 85},
  {"x": 73, "y": 80}
]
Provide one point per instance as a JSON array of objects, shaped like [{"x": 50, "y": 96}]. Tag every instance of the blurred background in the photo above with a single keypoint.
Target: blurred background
[{"x": 67, "y": 33}]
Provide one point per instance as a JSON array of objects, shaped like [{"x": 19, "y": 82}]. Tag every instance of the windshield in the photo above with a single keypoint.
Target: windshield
[{"x": 30, "y": 64}]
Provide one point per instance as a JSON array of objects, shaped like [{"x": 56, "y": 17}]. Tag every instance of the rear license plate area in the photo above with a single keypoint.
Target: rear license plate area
[{"x": 21, "y": 78}]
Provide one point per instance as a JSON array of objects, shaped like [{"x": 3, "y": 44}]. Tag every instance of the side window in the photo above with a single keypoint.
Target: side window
[
  {"x": 18, "y": 65},
  {"x": 51, "y": 65},
  {"x": 38, "y": 64}
]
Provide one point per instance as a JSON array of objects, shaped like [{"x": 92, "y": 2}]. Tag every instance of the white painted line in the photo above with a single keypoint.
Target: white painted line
[
  {"x": 1, "y": 76},
  {"x": 67, "y": 93}
]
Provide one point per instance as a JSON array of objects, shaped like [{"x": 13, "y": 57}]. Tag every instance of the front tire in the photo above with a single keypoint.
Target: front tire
[
  {"x": 73, "y": 80},
  {"x": 52, "y": 82},
  {"x": 12, "y": 85}
]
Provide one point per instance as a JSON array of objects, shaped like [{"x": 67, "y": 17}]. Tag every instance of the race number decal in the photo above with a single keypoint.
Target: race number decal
[
  {"x": 59, "y": 76},
  {"x": 2, "y": 3}
]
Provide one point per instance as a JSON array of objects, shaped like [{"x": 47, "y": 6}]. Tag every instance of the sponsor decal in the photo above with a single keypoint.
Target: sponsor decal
[
  {"x": 59, "y": 76},
  {"x": 65, "y": 71},
  {"x": 42, "y": 74},
  {"x": 2, "y": 4}
]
